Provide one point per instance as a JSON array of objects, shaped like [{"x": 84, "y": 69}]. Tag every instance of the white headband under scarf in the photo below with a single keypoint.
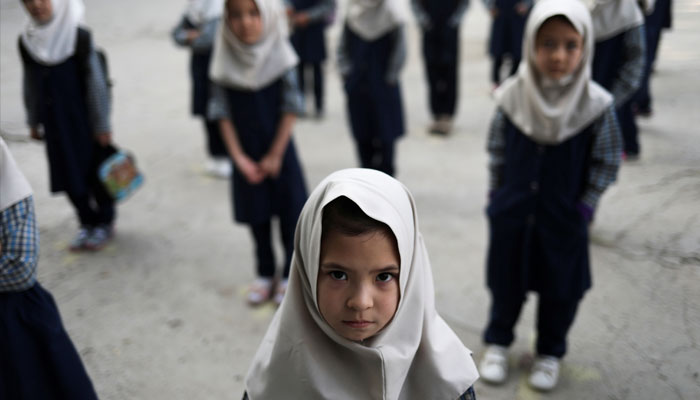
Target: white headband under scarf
[
  {"x": 13, "y": 185},
  {"x": 54, "y": 42},
  {"x": 551, "y": 112},
  {"x": 415, "y": 357},
  {"x": 239, "y": 65},
  {"x": 370, "y": 19}
]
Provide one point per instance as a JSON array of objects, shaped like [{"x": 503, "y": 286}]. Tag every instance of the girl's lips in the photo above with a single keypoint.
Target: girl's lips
[{"x": 357, "y": 324}]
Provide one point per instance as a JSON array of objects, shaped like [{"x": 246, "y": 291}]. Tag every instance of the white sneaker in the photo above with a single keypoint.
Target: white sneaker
[
  {"x": 545, "y": 373},
  {"x": 223, "y": 167},
  {"x": 494, "y": 366}
]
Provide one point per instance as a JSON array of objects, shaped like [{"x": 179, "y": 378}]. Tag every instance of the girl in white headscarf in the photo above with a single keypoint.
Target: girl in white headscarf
[
  {"x": 554, "y": 147},
  {"x": 255, "y": 100},
  {"x": 196, "y": 30},
  {"x": 359, "y": 318},
  {"x": 38, "y": 359},
  {"x": 66, "y": 95},
  {"x": 618, "y": 61},
  {"x": 371, "y": 53}
]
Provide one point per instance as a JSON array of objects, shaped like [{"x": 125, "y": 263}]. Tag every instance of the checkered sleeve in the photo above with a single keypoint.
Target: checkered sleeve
[
  {"x": 292, "y": 96},
  {"x": 97, "y": 95},
  {"x": 629, "y": 77},
  {"x": 496, "y": 147},
  {"x": 606, "y": 156},
  {"x": 217, "y": 104},
  {"x": 20, "y": 246}
]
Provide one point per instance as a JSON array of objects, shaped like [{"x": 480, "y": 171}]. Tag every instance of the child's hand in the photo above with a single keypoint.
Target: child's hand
[
  {"x": 521, "y": 8},
  {"x": 192, "y": 35},
  {"x": 250, "y": 169},
  {"x": 104, "y": 138},
  {"x": 34, "y": 134},
  {"x": 301, "y": 19},
  {"x": 271, "y": 165}
]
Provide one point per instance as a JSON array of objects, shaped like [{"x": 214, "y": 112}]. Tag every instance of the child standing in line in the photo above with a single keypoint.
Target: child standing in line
[
  {"x": 255, "y": 99},
  {"x": 38, "y": 359},
  {"x": 309, "y": 19},
  {"x": 371, "y": 53},
  {"x": 654, "y": 23},
  {"x": 440, "y": 21},
  {"x": 359, "y": 320},
  {"x": 554, "y": 147},
  {"x": 196, "y": 30},
  {"x": 507, "y": 23},
  {"x": 618, "y": 63},
  {"x": 66, "y": 94}
]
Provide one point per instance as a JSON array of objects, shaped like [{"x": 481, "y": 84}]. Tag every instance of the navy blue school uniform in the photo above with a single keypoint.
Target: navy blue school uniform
[
  {"x": 608, "y": 60},
  {"x": 441, "y": 55},
  {"x": 69, "y": 138},
  {"x": 506, "y": 37},
  {"x": 199, "y": 69},
  {"x": 73, "y": 154},
  {"x": 256, "y": 116},
  {"x": 374, "y": 103},
  {"x": 38, "y": 358},
  {"x": 654, "y": 23},
  {"x": 538, "y": 240},
  {"x": 309, "y": 42},
  {"x": 199, "y": 73}
]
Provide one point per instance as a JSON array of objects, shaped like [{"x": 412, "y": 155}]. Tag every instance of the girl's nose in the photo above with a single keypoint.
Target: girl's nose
[
  {"x": 559, "y": 53},
  {"x": 360, "y": 299}
]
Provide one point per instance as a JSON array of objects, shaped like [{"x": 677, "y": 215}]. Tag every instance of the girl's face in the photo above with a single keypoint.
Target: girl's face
[
  {"x": 244, "y": 20},
  {"x": 358, "y": 283},
  {"x": 41, "y": 11},
  {"x": 558, "y": 49}
]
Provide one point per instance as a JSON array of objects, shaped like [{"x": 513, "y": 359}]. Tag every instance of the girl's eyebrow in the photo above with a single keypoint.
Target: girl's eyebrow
[
  {"x": 388, "y": 268},
  {"x": 335, "y": 266}
]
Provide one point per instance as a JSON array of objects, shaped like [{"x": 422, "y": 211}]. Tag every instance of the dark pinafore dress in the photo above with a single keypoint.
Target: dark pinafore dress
[
  {"x": 441, "y": 55},
  {"x": 64, "y": 116},
  {"x": 199, "y": 72},
  {"x": 538, "y": 240},
  {"x": 507, "y": 30},
  {"x": 374, "y": 105},
  {"x": 256, "y": 116},
  {"x": 37, "y": 358},
  {"x": 607, "y": 61},
  {"x": 309, "y": 41}
]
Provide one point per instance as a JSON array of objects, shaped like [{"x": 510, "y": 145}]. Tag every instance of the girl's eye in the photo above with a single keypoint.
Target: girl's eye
[
  {"x": 549, "y": 44},
  {"x": 338, "y": 275},
  {"x": 572, "y": 46},
  {"x": 385, "y": 277}
]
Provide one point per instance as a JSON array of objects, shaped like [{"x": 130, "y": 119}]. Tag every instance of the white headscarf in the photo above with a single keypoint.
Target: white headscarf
[
  {"x": 370, "y": 19},
  {"x": 416, "y": 356},
  {"x": 54, "y": 42},
  {"x": 200, "y": 11},
  {"x": 13, "y": 185},
  {"x": 550, "y": 112},
  {"x": 237, "y": 64},
  {"x": 611, "y": 17}
]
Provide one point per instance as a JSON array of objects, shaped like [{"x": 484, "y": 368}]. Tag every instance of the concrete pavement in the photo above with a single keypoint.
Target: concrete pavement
[{"x": 160, "y": 313}]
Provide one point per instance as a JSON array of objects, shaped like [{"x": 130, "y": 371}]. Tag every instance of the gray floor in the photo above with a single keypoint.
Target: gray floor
[{"x": 160, "y": 313}]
